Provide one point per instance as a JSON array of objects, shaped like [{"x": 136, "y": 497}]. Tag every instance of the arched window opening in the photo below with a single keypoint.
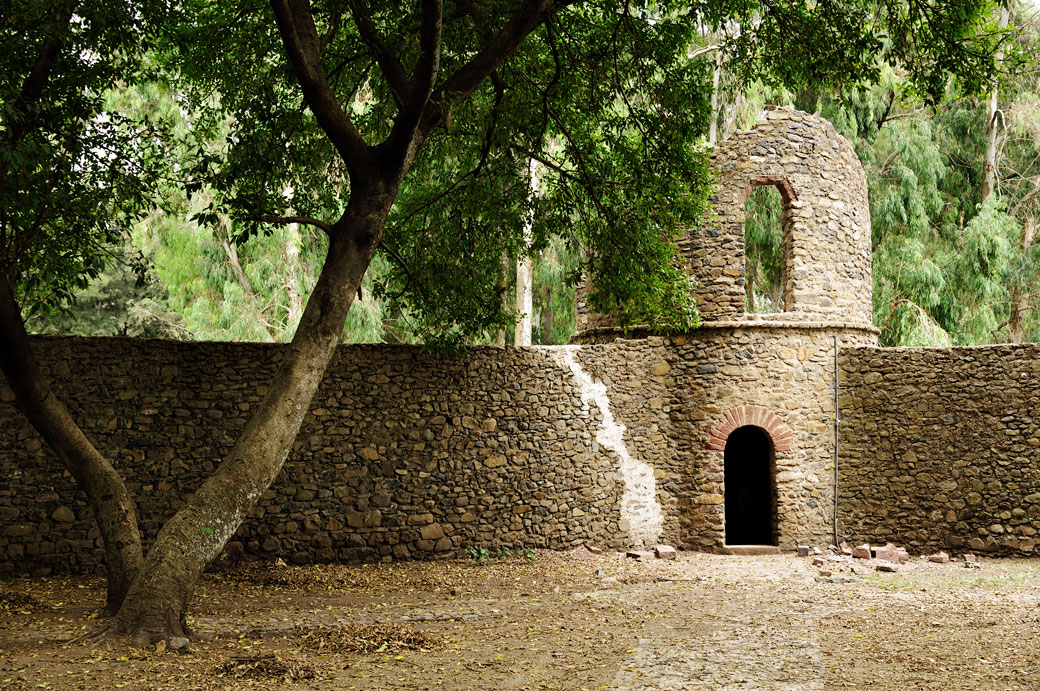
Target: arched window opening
[
  {"x": 767, "y": 221},
  {"x": 750, "y": 488}
]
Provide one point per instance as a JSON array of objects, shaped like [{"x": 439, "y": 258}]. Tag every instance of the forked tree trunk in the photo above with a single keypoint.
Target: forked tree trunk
[
  {"x": 156, "y": 605},
  {"x": 112, "y": 505}
]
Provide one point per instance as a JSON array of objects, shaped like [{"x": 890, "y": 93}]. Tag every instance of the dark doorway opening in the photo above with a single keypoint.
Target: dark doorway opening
[{"x": 750, "y": 488}]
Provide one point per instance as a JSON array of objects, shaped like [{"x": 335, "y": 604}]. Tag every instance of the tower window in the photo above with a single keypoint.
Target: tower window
[{"x": 767, "y": 246}]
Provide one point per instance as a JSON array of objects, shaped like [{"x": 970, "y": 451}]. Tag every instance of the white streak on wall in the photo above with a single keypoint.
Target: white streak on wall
[{"x": 639, "y": 506}]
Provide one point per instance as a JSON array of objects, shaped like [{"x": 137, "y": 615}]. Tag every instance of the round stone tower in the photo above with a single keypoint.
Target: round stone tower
[{"x": 751, "y": 409}]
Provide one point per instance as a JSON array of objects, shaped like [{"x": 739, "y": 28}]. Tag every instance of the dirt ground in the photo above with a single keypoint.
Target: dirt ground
[{"x": 557, "y": 621}]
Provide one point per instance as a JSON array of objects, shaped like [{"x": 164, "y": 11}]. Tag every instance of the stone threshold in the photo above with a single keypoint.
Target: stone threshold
[{"x": 750, "y": 550}]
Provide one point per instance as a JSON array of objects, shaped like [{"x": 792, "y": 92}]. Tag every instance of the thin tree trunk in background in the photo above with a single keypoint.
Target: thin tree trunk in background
[
  {"x": 525, "y": 267},
  {"x": 524, "y": 301},
  {"x": 1020, "y": 296},
  {"x": 236, "y": 266},
  {"x": 113, "y": 507},
  {"x": 292, "y": 293},
  {"x": 749, "y": 286},
  {"x": 713, "y": 126},
  {"x": 503, "y": 283},
  {"x": 732, "y": 114},
  {"x": 548, "y": 318},
  {"x": 989, "y": 162}
]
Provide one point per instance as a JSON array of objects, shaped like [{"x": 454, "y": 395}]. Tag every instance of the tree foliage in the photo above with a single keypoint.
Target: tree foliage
[{"x": 75, "y": 170}]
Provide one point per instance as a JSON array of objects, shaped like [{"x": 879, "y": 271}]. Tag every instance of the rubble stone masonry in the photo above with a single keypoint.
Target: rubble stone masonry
[
  {"x": 403, "y": 454},
  {"x": 407, "y": 454},
  {"x": 940, "y": 448}
]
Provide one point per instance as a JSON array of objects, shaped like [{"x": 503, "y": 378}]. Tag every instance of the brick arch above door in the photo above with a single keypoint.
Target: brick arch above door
[{"x": 756, "y": 416}]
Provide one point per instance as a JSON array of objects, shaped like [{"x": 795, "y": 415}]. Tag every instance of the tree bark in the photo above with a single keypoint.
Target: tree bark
[
  {"x": 1020, "y": 296},
  {"x": 157, "y": 603},
  {"x": 113, "y": 508}
]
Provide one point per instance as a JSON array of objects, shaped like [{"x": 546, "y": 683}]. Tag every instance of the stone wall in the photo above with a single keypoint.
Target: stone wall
[
  {"x": 410, "y": 455},
  {"x": 940, "y": 448},
  {"x": 783, "y": 370},
  {"x": 403, "y": 454}
]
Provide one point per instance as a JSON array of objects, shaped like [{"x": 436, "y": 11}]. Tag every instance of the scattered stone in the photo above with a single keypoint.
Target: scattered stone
[
  {"x": 600, "y": 573},
  {"x": 280, "y": 563},
  {"x": 834, "y": 579},
  {"x": 825, "y": 573},
  {"x": 803, "y": 550},
  {"x": 178, "y": 643},
  {"x": 640, "y": 555},
  {"x": 886, "y": 553},
  {"x": 665, "y": 552},
  {"x": 886, "y": 567},
  {"x": 861, "y": 552},
  {"x": 594, "y": 549},
  {"x": 900, "y": 552},
  {"x": 970, "y": 558},
  {"x": 818, "y": 561},
  {"x": 844, "y": 549},
  {"x": 939, "y": 558}
]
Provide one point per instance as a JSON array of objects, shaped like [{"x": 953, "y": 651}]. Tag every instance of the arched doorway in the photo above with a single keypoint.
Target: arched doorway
[{"x": 750, "y": 487}]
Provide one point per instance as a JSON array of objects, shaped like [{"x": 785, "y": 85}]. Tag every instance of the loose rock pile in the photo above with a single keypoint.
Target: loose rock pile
[{"x": 884, "y": 558}]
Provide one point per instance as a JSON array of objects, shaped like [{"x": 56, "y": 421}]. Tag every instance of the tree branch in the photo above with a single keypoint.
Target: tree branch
[
  {"x": 391, "y": 67},
  {"x": 32, "y": 87},
  {"x": 302, "y": 46},
  {"x": 406, "y": 135},
  {"x": 428, "y": 65},
  {"x": 404, "y": 267},
  {"x": 704, "y": 51},
  {"x": 888, "y": 109},
  {"x": 302, "y": 220},
  {"x": 468, "y": 77}
]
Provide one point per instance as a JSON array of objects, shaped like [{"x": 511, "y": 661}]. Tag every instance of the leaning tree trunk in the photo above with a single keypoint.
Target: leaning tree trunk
[
  {"x": 156, "y": 605},
  {"x": 112, "y": 505}
]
